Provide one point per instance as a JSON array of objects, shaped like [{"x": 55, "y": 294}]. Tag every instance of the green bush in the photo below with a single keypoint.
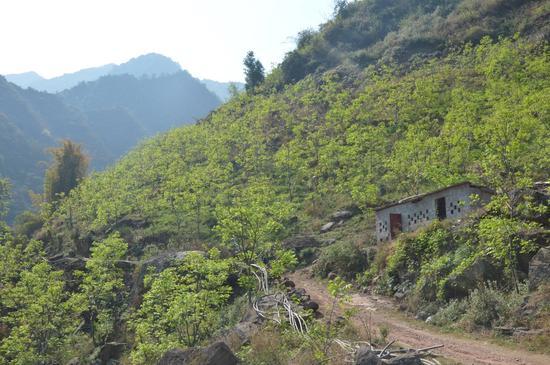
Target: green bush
[
  {"x": 450, "y": 313},
  {"x": 485, "y": 307},
  {"x": 344, "y": 259}
]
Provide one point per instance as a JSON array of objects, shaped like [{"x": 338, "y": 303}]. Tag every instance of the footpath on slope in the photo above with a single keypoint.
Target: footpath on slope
[{"x": 380, "y": 311}]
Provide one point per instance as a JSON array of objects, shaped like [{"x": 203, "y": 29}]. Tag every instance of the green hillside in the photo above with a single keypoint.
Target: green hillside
[
  {"x": 386, "y": 100},
  {"x": 478, "y": 114}
]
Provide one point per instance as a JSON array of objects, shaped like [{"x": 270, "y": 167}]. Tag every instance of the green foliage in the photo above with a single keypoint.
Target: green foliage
[
  {"x": 69, "y": 166},
  {"x": 181, "y": 307},
  {"x": 253, "y": 71},
  {"x": 383, "y": 135},
  {"x": 485, "y": 307},
  {"x": 42, "y": 316},
  {"x": 342, "y": 258},
  {"x": 251, "y": 227},
  {"x": 103, "y": 288}
]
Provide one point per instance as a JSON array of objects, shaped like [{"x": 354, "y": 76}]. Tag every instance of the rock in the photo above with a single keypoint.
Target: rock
[
  {"x": 459, "y": 286},
  {"x": 301, "y": 242},
  {"x": 216, "y": 354},
  {"x": 429, "y": 319},
  {"x": 175, "y": 357},
  {"x": 311, "y": 305},
  {"x": 328, "y": 227},
  {"x": 299, "y": 293},
  {"x": 328, "y": 242},
  {"x": 364, "y": 356},
  {"x": 331, "y": 276},
  {"x": 111, "y": 351},
  {"x": 289, "y": 283},
  {"x": 539, "y": 268},
  {"x": 342, "y": 215},
  {"x": 406, "y": 359}
]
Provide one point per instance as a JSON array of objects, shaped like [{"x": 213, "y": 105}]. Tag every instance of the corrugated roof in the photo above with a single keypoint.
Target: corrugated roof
[{"x": 420, "y": 196}]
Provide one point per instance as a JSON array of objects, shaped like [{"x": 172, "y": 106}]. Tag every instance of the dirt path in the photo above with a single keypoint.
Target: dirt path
[{"x": 379, "y": 311}]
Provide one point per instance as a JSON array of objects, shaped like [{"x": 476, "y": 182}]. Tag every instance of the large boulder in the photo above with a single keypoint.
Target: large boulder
[
  {"x": 216, "y": 354},
  {"x": 460, "y": 285},
  {"x": 539, "y": 268},
  {"x": 342, "y": 215}
]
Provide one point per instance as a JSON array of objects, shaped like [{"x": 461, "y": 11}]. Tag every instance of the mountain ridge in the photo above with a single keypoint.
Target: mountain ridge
[{"x": 147, "y": 65}]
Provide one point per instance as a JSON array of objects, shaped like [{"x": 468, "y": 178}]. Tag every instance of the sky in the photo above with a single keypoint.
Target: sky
[{"x": 209, "y": 38}]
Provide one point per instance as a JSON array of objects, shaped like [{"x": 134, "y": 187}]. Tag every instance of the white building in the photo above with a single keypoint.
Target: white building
[{"x": 408, "y": 214}]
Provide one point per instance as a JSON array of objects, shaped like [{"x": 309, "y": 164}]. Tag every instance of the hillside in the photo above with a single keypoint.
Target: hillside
[
  {"x": 108, "y": 116},
  {"x": 164, "y": 253}
]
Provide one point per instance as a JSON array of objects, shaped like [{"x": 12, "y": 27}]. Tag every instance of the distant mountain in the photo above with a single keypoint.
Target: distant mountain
[
  {"x": 151, "y": 64},
  {"x": 155, "y": 103},
  {"x": 25, "y": 79},
  {"x": 108, "y": 116},
  {"x": 221, "y": 89}
]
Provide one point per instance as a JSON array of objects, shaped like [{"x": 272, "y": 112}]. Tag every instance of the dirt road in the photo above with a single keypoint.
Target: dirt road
[{"x": 380, "y": 311}]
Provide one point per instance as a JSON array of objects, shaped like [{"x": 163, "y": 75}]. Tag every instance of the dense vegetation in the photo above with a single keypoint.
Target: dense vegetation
[{"x": 275, "y": 161}]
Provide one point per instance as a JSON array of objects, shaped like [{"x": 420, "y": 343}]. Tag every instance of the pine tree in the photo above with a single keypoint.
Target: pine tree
[{"x": 254, "y": 71}]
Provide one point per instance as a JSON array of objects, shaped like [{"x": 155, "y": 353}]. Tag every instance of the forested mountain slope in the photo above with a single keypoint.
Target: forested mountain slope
[
  {"x": 156, "y": 103},
  {"x": 365, "y": 32},
  {"x": 478, "y": 114},
  {"x": 108, "y": 116},
  {"x": 269, "y": 167}
]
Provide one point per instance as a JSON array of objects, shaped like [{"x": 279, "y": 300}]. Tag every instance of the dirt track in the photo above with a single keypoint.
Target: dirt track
[{"x": 380, "y": 311}]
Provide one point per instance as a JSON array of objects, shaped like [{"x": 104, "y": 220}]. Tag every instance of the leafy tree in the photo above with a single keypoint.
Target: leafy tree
[
  {"x": 42, "y": 316},
  {"x": 68, "y": 168},
  {"x": 253, "y": 71},
  {"x": 250, "y": 227},
  {"x": 181, "y": 306},
  {"x": 103, "y": 289}
]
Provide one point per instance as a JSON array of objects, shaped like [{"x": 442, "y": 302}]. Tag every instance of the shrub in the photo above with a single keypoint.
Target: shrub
[
  {"x": 450, "y": 313},
  {"x": 345, "y": 259}
]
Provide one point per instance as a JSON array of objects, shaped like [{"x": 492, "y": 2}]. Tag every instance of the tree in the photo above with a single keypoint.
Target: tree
[
  {"x": 4, "y": 197},
  {"x": 42, "y": 316},
  {"x": 253, "y": 71},
  {"x": 181, "y": 307},
  {"x": 251, "y": 226},
  {"x": 69, "y": 166},
  {"x": 103, "y": 287}
]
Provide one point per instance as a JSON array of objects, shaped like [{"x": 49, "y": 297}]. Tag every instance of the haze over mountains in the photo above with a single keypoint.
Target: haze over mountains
[
  {"x": 151, "y": 64},
  {"x": 108, "y": 109}
]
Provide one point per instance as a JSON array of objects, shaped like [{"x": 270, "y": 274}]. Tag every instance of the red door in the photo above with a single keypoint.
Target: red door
[{"x": 395, "y": 225}]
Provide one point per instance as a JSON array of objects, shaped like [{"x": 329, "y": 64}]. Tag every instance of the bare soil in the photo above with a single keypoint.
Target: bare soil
[{"x": 379, "y": 311}]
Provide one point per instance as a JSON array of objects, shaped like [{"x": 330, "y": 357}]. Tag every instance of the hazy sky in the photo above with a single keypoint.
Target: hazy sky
[{"x": 207, "y": 37}]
